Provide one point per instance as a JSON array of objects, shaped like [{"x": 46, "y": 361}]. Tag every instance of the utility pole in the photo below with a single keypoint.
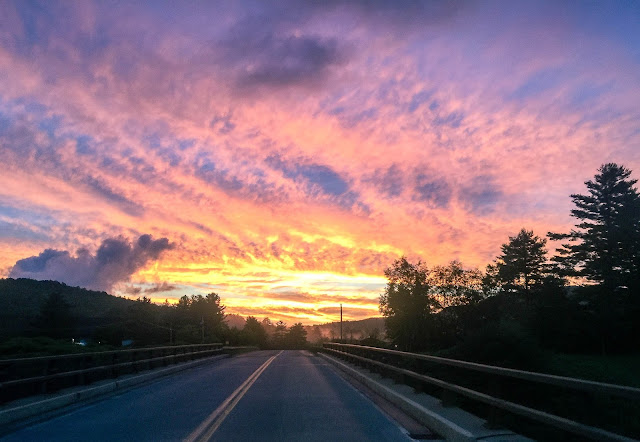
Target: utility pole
[
  {"x": 202, "y": 327},
  {"x": 341, "y": 323}
]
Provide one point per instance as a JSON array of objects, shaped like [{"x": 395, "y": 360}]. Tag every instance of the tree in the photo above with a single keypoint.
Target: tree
[
  {"x": 142, "y": 323},
  {"x": 454, "y": 285},
  {"x": 522, "y": 264},
  {"x": 213, "y": 316},
  {"x": 407, "y": 303},
  {"x": 296, "y": 336},
  {"x": 200, "y": 318},
  {"x": 254, "y": 333},
  {"x": 55, "y": 318},
  {"x": 279, "y": 334},
  {"x": 605, "y": 245}
]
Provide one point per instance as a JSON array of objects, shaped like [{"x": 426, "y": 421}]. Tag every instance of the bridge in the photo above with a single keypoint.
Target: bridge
[{"x": 270, "y": 395}]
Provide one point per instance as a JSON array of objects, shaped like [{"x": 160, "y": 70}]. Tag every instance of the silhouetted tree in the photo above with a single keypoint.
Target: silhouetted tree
[
  {"x": 254, "y": 333},
  {"x": 55, "y": 318},
  {"x": 454, "y": 285},
  {"x": 296, "y": 337},
  {"x": 213, "y": 316},
  {"x": 407, "y": 303},
  {"x": 522, "y": 264},
  {"x": 279, "y": 333},
  {"x": 200, "y": 318},
  {"x": 605, "y": 246},
  {"x": 142, "y": 323}
]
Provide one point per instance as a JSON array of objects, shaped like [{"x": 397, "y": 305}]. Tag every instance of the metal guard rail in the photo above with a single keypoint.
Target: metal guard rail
[
  {"x": 531, "y": 413},
  {"x": 177, "y": 354}
]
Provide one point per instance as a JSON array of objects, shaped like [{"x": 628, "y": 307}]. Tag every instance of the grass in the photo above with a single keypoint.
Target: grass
[
  {"x": 616, "y": 369},
  {"x": 24, "y": 347}
]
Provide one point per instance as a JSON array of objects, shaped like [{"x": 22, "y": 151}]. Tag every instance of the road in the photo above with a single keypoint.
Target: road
[{"x": 264, "y": 395}]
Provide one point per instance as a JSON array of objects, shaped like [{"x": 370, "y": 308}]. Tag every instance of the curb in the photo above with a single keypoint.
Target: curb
[
  {"x": 22, "y": 412},
  {"x": 450, "y": 430}
]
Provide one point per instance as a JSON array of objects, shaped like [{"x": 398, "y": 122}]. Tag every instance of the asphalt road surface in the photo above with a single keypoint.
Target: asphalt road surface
[{"x": 265, "y": 396}]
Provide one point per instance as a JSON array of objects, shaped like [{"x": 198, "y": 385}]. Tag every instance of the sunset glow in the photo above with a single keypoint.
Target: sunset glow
[{"x": 289, "y": 153}]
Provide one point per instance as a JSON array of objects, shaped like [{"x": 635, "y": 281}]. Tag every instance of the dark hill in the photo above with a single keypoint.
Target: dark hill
[{"x": 21, "y": 300}]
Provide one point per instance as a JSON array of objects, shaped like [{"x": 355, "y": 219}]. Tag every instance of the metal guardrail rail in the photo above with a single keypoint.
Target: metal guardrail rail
[
  {"x": 358, "y": 353},
  {"x": 27, "y": 376}
]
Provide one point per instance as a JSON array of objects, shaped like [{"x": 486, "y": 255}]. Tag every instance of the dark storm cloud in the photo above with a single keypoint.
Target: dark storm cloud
[{"x": 115, "y": 261}]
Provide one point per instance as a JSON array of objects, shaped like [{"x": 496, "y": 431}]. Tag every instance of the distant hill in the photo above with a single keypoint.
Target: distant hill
[
  {"x": 235, "y": 321},
  {"x": 21, "y": 300}
]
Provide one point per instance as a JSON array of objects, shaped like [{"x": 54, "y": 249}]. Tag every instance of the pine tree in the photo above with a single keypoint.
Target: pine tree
[
  {"x": 522, "y": 264},
  {"x": 605, "y": 246}
]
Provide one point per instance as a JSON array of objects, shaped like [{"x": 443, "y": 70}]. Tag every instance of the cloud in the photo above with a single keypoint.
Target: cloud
[
  {"x": 353, "y": 312},
  {"x": 115, "y": 261},
  {"x": 264, "y": 61},
  {"x": 104, "y": 191},
  {"x": 317, "y": 177},
  {"x": 434, "y": 192},
  {"x": 155, "y": 288},
  {"x": 482, "y": 194},
  {"x": 389, "y": 182},
  {"x": 314, "y": 299}
]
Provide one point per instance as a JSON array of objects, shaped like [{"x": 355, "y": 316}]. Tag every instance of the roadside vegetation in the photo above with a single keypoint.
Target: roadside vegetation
[
  {"x": 59, "y": 326},
  {"x": 573, "y": 314}
]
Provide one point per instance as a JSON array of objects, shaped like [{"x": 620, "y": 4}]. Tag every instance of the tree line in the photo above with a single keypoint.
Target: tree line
[
  {"x": 193, "y": 319},
  {"x": 583, "y": 299},
  {"x": 199, "y": 319}
]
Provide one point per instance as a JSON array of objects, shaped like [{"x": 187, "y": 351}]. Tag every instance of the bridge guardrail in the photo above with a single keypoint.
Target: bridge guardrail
[
  {"x": 27, "y": 376},
  {"x": 366, "y": 356}
]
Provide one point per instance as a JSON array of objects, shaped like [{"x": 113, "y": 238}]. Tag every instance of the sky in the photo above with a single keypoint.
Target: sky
[{"x": 283, "y": 154}]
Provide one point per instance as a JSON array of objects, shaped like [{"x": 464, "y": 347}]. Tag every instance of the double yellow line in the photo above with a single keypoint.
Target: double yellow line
[{"x": 209, "y": 426}]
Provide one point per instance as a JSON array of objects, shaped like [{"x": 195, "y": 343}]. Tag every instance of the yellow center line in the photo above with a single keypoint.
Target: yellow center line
[{"x": 209, "y": 426}]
